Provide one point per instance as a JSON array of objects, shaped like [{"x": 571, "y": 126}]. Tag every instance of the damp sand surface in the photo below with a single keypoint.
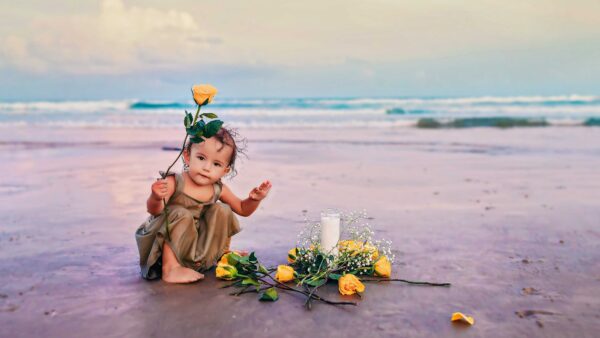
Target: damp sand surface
[{"x": 510, "y": 217}]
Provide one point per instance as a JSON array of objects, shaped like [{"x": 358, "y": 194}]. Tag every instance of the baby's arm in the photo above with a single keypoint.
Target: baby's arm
[
  {"x": 248, "y": 206},
  {"x": 162, "y": 188}
]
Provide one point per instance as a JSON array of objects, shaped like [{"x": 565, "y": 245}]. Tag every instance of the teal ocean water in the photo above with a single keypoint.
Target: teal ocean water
[{"x": 465, "y": 112}]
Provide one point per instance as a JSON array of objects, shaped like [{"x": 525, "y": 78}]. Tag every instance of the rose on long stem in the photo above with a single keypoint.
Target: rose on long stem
[{"x": 166, "y": 173}]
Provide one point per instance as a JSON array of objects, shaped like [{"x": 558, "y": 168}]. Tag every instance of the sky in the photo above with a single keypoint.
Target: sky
[{"x": 155, "y": 50}]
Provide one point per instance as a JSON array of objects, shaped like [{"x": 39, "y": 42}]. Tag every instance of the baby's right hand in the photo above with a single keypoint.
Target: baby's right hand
[{"x": 159, "y": 189}]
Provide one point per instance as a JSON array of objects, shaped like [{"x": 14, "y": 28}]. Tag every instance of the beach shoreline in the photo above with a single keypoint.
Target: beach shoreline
[{"x": 509, "y": 216}]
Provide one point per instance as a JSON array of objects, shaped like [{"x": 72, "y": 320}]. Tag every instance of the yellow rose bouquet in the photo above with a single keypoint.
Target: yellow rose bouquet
[
  {"x": 360, "y": 258},
  {"x": 248, "y": 274}
]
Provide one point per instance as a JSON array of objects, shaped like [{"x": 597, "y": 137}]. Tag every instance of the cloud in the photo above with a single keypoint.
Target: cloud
[
  {"x": 16, "y": 52},
  {"x": 337, "y": 47},
  {"x": 118, "y": 39}
]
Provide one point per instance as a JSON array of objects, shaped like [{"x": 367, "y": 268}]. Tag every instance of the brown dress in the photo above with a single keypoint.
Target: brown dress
[{"x": 200, "y": 232}]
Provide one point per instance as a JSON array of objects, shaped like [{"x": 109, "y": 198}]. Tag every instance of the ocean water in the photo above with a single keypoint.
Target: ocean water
[{"x": 461, "y": 112}]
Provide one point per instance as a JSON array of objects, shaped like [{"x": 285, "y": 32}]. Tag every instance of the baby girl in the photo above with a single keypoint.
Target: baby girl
[{"x": 199, "y": 228}]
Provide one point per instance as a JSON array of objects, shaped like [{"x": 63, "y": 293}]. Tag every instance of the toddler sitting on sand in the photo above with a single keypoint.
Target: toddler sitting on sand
[{"x": 200, "y": 229}]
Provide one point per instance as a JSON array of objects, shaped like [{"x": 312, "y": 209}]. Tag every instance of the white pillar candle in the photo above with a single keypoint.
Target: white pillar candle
[{"x": 330, "y": 231}]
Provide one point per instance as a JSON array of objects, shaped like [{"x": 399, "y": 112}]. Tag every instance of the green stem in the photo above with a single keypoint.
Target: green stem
[
  {"x": 183, "y": 146},
  {"x": 167, "y": 173},
  {"x": 405, "y": 281},
  {"x": 314, "y": 296},
  {"x": 307, "y": 303},
  {"x": 231, "y": 284},
  {"x": 254, "y": 290},
  {"x": 240, "y": 292}
]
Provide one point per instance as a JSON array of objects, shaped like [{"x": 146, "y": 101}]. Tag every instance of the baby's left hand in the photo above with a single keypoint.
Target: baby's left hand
[{"x": 260, "y": 192}]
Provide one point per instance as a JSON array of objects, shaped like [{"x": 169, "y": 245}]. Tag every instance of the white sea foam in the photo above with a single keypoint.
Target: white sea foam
[
  {"x": 63, "y": 106},
  {"x": 404, "y": 123},
  {"x": 304, "y": 112},
  {"x": 462, "y": 100}
]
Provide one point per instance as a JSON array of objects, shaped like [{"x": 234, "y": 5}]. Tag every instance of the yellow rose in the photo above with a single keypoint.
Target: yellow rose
[
  {"x": 226, "y": 271},
  {"x": 349, "y": 284},
  {"x": 226, "y": 257},
  {"x": 344, "y": 244},
  {"x": 372, "y": 249},
  {"x": 351, "y": 246},
  {"x": 383, "y": 268},
  {"x": 203, "y": 92},
  {"x": 223, "y": 259},
  {"x": 285, "y": 273},
  {"x": 292, "y": 256}
]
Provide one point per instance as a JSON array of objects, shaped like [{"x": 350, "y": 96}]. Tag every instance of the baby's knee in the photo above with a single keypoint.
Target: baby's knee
[{"x": 221, "y": 209}]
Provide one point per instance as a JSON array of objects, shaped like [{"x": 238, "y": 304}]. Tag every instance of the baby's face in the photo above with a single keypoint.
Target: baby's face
[{"x": 208, "y": 161}]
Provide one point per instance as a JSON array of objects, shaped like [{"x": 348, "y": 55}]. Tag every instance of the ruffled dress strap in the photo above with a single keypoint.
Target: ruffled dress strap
[
  {"x": 178, "y": 185},
  {"x": 218, "y": 187}
]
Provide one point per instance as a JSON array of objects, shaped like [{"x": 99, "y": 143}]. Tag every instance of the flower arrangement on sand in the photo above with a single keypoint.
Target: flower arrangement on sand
[{"x": 357, "y": 259}]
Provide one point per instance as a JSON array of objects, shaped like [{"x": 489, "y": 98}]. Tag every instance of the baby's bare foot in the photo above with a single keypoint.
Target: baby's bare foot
[{"x": 180, "y": 274}]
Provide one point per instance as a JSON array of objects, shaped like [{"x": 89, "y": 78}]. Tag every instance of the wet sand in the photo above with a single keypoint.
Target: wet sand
[{"x": 510, "y": 217}]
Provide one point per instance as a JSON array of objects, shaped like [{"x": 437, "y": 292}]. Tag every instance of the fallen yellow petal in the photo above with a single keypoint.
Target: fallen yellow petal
[{"x": 457, "y": 316}]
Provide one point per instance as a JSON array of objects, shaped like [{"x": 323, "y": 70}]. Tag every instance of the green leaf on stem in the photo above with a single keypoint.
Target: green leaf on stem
[
  {"x": 187, "y": 121},
  {"x": 269, "y": 295},
  {"x": 252, "y": 258},
  {"x": 316, "y": 283},
  {"x": 319, "y": 259},
  {"x": 212, "y": 127},
  {"x": 197, "y": 129},
  {"x": 262, "y": 269},
  {"x": 335, "y": 276},
  {"x": 250, "y": 281},
  {"x": 209, "y": 115},
  {"x": 196, "y": 139},
  {"x": 233, "y": 259},
  {"x": 244, "y": 260}
]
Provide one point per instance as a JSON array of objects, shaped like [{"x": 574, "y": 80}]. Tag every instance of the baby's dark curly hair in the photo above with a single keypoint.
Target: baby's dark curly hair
[{"x": 230, "y": 137}]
